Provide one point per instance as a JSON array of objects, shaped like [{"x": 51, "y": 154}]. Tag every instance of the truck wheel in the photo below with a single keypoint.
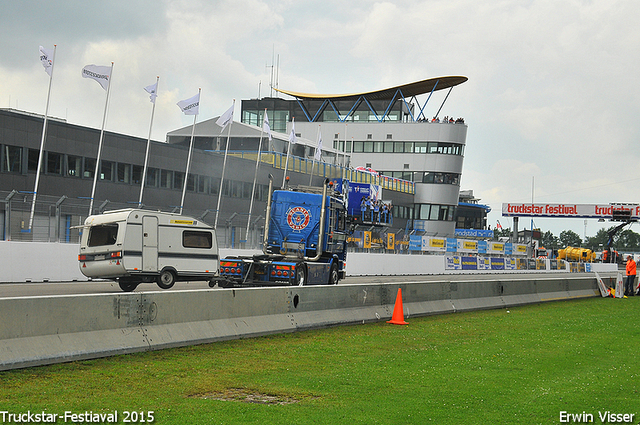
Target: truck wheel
[
  {"x": 128, "y": 286},
  {"x": 166, "y": 279},
  {"x": 334, "y": 276},
  {"x": 301, "y": 275}
]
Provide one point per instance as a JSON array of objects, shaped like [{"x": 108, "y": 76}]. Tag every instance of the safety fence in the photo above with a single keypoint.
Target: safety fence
[{"x": 328, "y": 170}]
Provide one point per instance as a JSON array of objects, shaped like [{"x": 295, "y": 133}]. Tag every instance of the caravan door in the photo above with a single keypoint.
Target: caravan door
[{"x": 150, "y": 243}]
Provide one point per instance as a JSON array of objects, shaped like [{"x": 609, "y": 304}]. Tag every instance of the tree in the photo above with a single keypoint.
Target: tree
[
  {"x": 628, "y": 240},
  {"x": 503, "y": 232},
  {"x": 570, "y": 238},
  {"x": 599, "y": 241},
  {"x": 549, "y": 241}
]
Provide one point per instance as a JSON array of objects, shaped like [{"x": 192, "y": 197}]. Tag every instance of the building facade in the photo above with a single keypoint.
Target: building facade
[{"x": 419, "y": 161}]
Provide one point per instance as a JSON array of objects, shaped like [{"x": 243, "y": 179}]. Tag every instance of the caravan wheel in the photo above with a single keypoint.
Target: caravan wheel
[{"x": 166, "y": 279}]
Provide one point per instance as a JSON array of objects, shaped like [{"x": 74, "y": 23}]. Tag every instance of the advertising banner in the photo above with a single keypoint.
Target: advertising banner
[
  {"x": 495, "y": 248},
  {"x": 436, "y": 244},
  {"x": 603, "y": 211},
  {"x": 367, "y": 239},
  {"x": 452, "y": 262},
  {"x": 415, "y": 243},
  {"x": 391, "y": 241},
  {"x": 473, "y": 233},
  {"x": 497, "y": 263},
  {"x": 467, "y": 246},
  {"x": 469, "y": 263}
]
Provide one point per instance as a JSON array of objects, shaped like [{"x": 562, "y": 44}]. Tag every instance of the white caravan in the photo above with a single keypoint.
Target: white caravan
[{"x": 134, "y": 246}]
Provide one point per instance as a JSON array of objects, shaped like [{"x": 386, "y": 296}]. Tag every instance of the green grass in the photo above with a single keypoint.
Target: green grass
[{"x": 521, "y": 365}]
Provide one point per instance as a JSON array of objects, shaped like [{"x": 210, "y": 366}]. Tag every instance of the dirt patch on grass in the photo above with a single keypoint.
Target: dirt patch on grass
[{"x": 244, "y": 395}]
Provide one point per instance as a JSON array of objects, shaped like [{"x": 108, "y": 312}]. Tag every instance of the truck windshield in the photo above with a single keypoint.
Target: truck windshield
[{"x": 104, "y": 234}]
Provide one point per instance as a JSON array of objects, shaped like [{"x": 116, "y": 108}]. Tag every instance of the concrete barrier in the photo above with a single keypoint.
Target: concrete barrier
[{"x": 44, "y": 330}]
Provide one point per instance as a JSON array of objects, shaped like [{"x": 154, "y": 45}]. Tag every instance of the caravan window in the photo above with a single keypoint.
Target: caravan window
[
  {"x": 105, "y": 234},
  {"x": 195, "y": 239}
]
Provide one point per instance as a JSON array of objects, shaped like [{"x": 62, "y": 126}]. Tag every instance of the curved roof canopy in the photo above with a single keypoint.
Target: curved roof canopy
[{"x": 410, "y": 89}]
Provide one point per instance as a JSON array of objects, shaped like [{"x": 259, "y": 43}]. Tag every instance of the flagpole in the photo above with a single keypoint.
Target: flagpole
[
  {"x": 255, "y": 178},
  {"x": 146, "y": 155},
  {"x": 286, "y": 163},
  {"x": 186, "y": 173},
  {"x": 104, "y": 118},
  {"x": 314, "y": 158},
  {"x": 224, "y": 165},
  {"x": 44, "y": 132}
]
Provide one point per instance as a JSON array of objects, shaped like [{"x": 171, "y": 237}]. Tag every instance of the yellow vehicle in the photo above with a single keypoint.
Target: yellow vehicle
[{"x": 582, "y": 255}]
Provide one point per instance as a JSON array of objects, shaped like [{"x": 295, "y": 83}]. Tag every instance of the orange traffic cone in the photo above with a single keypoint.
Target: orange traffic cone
[{"x": 398, "y": 316}]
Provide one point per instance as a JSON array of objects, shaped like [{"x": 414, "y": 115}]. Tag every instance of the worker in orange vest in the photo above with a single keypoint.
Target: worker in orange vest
[{"x": 629, "y": 290}]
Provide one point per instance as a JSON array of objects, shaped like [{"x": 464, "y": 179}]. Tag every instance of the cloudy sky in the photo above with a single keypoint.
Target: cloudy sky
[{"x": 551, "y": 102}]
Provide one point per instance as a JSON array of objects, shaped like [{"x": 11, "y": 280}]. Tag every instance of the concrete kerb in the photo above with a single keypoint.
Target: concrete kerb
[{"x": 44, "y": 330}]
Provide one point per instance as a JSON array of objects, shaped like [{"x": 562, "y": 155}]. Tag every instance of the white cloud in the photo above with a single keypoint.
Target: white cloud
[{"x": 551, "y": 92}]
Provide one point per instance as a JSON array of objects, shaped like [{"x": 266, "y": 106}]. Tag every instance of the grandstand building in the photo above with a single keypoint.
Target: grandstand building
[{"x": 419, "y": 162}]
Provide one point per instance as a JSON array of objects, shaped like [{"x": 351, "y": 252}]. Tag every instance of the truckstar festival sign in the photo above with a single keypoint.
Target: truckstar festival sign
[{"x": 610, "y": 211}]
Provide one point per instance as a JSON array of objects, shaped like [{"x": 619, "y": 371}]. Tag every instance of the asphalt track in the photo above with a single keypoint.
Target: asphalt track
[{"x": 16, "y": 290}]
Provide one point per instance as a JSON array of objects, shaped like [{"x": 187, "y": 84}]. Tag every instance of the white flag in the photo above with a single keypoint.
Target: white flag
[
  {"x": 153, "y": 91},
  {"x": 292, "y": 136},
  {"x": 318, "y": 153},
  {"x": 225, "y": 118},
  {"x": 190, "y": 106},
  {"x": 265, "y": 125},
  {"x": 99, "y": 73},
  {"x": 46, "y": 57}
]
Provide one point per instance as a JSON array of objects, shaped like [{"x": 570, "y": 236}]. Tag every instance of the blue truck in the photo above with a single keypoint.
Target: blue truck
[{"x": 305, "y": 241}]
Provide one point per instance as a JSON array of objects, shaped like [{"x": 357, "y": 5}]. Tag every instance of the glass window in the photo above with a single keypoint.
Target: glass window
[
  {"x": 166, "y": 179},
  {"x": 89, "y": 167},
  {"x": 420, "y": 147},
  {"x": 74, "y": 166},
  {"x": 12, "y": 161},
  {"x": 136, "y": 175},
  {"x": 152, "y": 177},
  {"x": 124, "y": 173},
  {"x": 247, "y": 188},
  {"x": 215, "y": 185},
  {"x": 398, "y": 147},
  {"x": 358, "y": 147},
  {"x": 191, "y": 183},
  {"x": 378, "y": 146},
  {"x": 178, "y": 179},
  {"x": 32, "y": 162},
  {"x": 203, "y": 184},
  {"x": 197, "y": 239},
  {"x": 434, "y": 212},
  {"x": 226, "y": 188},
  {"x": 368, "y": 147},
  {"x": 54, "y": 163},
  {"x": 107, "y": 170},
  {"x": 424, "y": 211},
  {"x": 250, "y": 117},
  {"x": 105, "y": 234},
  {"x": 443, "y": 213}
]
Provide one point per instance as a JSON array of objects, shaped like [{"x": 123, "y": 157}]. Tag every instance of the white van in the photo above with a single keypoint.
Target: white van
[{"x": 134, "y": 246}]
